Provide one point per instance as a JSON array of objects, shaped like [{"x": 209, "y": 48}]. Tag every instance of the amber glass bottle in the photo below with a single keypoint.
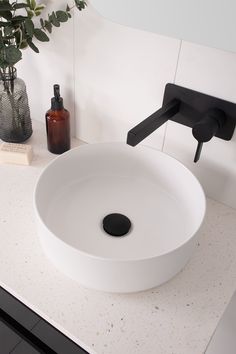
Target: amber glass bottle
[{"x": 58, "y": 125}]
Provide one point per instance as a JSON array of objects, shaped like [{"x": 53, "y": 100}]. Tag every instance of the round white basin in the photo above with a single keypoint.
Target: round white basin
[{"x": 162, "y": 199}]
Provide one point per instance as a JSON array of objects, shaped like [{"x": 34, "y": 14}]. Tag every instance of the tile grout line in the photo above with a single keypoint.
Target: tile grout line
[
  {"x": 175, "y": 75},
  {"x": 177, "y": 64}
]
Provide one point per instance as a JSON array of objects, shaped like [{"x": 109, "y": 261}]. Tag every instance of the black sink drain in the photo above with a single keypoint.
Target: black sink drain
[{"x": 116, "y": 224}]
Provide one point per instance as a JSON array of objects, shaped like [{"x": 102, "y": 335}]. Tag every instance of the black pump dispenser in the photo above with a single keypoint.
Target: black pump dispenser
[{"x": 57, "y": 100}]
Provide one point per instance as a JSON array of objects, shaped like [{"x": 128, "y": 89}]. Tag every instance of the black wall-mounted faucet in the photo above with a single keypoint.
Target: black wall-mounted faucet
[{"x": 207, "y": 116}]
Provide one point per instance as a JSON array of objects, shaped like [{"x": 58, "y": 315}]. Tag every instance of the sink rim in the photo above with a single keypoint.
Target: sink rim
[{"x": 113, "y": 259}]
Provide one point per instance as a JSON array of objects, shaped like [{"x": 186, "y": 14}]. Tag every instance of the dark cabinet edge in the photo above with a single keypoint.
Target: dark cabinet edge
[{"x": 26, "y": 334}]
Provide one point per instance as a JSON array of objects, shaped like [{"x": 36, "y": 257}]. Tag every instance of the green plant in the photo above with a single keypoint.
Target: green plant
[{"x": 18, "y": 30}]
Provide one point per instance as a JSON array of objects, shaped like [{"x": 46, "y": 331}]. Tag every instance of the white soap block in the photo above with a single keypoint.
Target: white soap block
[{"x": 16, "y": 153}]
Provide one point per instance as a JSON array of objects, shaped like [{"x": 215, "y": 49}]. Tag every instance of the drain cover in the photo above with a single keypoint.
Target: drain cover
[{"x": 116, "y": 224}]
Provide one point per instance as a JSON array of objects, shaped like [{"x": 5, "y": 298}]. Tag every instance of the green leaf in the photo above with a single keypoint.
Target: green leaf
[
  {"x": 62, "y": 16},
  {"x": 23, "y": 44},
  {"x": 5, "y": 6},
  {"x": 33, "y": 4},
  {"x": 29, "y": 26},
  {"x": 42, "y": 22},
  {"x": 32, "y": 46},
  {"x": 40, "y": 35},
  {"x": 48, "y": 26},
  {"x": 37, "y": 12},
  {"x": 21, "y": 5},
  {"x": 18, "y": 38},
  {"x": 18, "y": 19},
  {"x": 40, "y": 7},
  {"x": 30, "y": 14},
  {"x": 4, "y": 24},
  {"x": 1, "y": 42},
  {"x": 69, "y": 15},
  {"x": 53, "y": 19},
  {"x": 12, "y": 55},
  {"x": 80, "y": 4},
  {"x": 8, "y": 31},
  {"x": 6, "y": 14}
]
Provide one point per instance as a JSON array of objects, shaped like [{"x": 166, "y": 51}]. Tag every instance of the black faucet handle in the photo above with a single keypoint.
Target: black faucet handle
[
  {"x": 207, "y": 127},
  {"x": 198, "y": 151}
]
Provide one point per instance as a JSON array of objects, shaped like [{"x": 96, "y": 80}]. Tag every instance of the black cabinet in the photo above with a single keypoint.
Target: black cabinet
[{"x": 24, "y": 332}]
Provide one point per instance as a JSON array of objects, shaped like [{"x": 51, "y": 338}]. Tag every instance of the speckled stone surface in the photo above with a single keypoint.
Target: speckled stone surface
[{"x": 177, "y": 318}]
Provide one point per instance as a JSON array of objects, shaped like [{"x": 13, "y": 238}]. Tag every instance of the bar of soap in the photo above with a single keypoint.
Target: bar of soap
[{"x": 16, "y": 153}]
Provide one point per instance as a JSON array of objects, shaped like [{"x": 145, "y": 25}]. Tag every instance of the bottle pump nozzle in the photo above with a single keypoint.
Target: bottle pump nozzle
[
  {"x": 56, "y": 91},
  {"x": 57, "y": 100}
]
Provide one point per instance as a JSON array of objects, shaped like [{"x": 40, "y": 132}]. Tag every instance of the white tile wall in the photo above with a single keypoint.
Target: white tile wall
[
  {"x": 115, "y": 76},
  {"x": 120, "y": 78}
]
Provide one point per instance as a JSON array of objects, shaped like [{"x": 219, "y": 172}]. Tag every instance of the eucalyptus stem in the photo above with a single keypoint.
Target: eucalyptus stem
[{"x": 16, "y": 1}]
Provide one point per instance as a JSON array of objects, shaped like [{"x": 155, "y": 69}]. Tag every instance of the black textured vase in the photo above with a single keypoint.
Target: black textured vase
[{"x": 15, "y": 121}]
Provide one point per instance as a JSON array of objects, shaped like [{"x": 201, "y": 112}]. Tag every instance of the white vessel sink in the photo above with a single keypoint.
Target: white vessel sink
[{"x": 162, "y": 199}]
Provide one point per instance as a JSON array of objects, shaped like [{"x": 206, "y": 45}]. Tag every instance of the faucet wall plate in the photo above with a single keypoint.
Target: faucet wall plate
[{"x": 193, "y": 105}]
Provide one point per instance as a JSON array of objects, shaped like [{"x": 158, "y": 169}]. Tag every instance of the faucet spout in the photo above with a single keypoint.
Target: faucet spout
[{"x": 153, "y": 122}]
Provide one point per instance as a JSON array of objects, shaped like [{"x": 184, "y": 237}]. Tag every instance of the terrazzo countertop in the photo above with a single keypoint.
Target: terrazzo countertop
[{"x": 177, "y": 318}]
